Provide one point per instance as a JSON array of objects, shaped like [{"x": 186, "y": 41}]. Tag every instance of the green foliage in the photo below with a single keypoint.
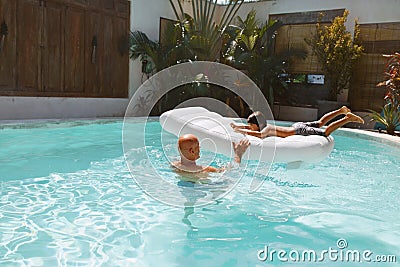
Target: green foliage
[
  {"x": 337, "y": 51},
  {"x": 252, "y": 51},
  {"x": 140, "y": 46},
  {"x": 191, "y": 38},
  {"x": 173, "y": 50},
  {"x": 248, "y": 46},
  {"x": 201, "y": 32},
  {"x": 390, "y": 117},
  {"x": 392, "y": 72}
]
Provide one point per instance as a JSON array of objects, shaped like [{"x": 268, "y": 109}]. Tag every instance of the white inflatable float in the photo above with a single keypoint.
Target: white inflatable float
[{"x": 216, "y": 135}]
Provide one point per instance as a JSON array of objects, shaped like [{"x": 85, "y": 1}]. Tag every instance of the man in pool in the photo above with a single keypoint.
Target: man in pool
[
  {"x": 257, "y": 125},
  {"x": 189, "y": 150}
]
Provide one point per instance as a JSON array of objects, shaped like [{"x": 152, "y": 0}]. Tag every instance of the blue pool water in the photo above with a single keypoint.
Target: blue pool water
[{"x": 68, "y": 199}]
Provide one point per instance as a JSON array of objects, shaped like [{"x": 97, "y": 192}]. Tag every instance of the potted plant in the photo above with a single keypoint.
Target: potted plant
[
  {"x": 390, "y": 115},
  {"x": 337, "y": 51}
]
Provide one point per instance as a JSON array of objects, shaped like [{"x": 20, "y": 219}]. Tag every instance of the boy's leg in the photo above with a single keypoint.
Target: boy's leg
[
  {"x": 350, "y": 117},
  {"x": 331, "y": 115}
]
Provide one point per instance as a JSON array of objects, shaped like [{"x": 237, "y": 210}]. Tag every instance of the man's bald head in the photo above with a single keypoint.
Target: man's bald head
[
  {"x": 188, "y": 145},
  {"x": 187, "y": 139}
]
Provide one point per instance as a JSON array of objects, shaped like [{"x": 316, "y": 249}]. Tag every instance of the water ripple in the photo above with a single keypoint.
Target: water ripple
[{"x": 94, "y": 214}]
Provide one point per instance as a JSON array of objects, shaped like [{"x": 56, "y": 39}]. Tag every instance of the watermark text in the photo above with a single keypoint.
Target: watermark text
[{"x": 340, "y": 253}]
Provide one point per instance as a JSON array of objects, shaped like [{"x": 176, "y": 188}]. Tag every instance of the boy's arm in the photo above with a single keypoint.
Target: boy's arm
[
  {"x": 250, "y": 132},
  {"x": 235, "y": 126}
]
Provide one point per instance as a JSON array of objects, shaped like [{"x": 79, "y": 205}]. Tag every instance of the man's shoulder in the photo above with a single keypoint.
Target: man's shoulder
[{"x": 178, "y": 166}]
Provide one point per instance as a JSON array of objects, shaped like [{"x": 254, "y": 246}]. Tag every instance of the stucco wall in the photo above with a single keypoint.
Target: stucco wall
[
  {"x": 366, "y": 10},
  {"x": 145, "y": 17}
]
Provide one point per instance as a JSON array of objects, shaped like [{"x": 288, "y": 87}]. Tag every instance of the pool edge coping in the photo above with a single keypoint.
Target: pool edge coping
[{"x": 370, "y": 135}]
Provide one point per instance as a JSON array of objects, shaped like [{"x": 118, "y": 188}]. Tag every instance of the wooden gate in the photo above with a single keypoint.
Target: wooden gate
[{"x": 69, "y": 48}]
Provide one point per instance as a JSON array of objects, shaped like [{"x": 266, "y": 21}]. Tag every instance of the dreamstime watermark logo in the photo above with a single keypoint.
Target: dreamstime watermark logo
[
  {"x": 340, "y": 253},
  {"x": 142, "y": 148}
]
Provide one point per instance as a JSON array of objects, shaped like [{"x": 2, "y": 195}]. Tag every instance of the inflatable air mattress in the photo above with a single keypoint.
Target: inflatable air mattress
[{"x": 216, "y": 135}]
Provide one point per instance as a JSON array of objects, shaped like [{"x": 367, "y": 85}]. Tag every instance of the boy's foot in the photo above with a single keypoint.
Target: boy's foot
[
  {"x": 345, "y": 110},
  {"x": 354, "y": 118}
]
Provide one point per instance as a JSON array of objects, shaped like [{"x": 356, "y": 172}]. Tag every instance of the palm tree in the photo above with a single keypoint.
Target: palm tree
[
  {"x": 253, "y": 51},
  {"x": 140, "y": 46},
  {"x": 203, "y": 34},
  {"x": 173, "y": 50},
  {"x": 191, "y": 38}
]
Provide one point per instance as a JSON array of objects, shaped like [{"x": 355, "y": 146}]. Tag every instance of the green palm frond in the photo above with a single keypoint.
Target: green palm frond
[
  {"x": 390, "y": 117},
  {"x": 204, "y": 33},
  {"x": 250, "y": 24},
  {"x": 254, "y": 53},
  {"x": 140, "y": 45}
]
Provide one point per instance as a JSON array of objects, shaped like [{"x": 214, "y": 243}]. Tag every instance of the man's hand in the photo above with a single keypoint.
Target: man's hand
[{"x": 240, "y": 148}]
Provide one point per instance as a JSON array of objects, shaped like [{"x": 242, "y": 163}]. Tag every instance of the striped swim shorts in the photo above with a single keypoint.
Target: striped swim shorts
[{"x": 308, "y": 128}]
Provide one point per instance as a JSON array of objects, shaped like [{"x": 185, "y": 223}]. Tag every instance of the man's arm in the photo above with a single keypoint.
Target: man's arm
[
  {"x": 213, "y": 169},
  {"x": 240, "y": 148}
]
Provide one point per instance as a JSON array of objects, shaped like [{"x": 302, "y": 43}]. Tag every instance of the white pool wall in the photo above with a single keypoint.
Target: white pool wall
[{"x": 21, "y": 108}]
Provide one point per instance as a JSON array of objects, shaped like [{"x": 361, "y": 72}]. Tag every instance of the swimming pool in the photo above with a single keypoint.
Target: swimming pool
[{"x": 67, "y": 198}]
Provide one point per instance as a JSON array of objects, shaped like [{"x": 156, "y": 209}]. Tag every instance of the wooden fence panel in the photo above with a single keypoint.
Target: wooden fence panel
[
  {"x": 74, "y": 50},
  {"x": 293, "y": 37},
  {"x": 377, "y": 39},
  {"x": 298, "y": 27},
  {"x": 53, "y": 41},
  {"x": 8, "y": 45},
  {"x": 108, "y": 61},
  {"x": 120, "y": 57},
  {"x": 49, "y": 49},
  {"x": 94, "y": 53},
  {"x": 29, "y": 45}
]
